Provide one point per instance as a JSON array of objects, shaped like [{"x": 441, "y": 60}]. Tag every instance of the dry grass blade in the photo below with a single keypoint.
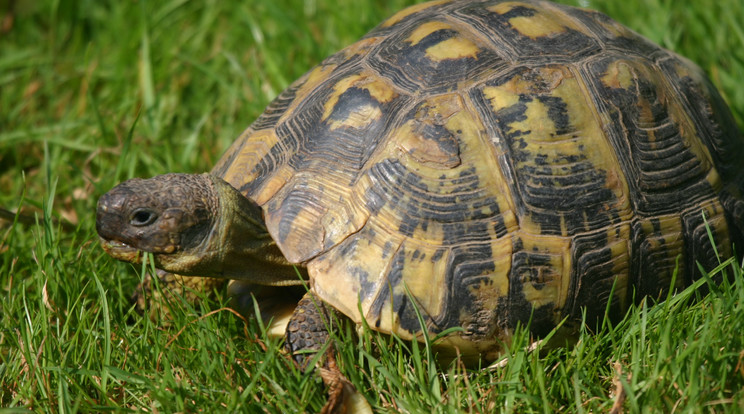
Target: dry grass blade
[{"x": 619, "y": 389}]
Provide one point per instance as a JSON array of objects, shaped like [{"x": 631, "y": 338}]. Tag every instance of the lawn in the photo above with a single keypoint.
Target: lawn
[{"x": 93, "y": 92}]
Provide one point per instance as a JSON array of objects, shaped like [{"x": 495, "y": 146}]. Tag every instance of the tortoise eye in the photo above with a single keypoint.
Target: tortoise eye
[{"x": 142, "y": 217}]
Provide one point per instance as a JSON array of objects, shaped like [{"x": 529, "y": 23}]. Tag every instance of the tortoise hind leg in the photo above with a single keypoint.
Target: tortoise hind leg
[
  {"x": 732, "y": 199},
  {"x": 154, "y": 302},
  {"x": 307, "y": 333}
]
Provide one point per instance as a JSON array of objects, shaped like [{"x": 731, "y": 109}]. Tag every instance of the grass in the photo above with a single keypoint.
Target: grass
[{"x": 94, "y": 92}]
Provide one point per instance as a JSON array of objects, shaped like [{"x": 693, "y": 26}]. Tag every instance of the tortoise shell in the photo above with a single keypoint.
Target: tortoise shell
[{"x": 494, "y": 163}]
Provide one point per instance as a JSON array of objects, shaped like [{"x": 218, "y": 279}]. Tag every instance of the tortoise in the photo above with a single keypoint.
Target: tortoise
[{"x": 485, "y": 163}]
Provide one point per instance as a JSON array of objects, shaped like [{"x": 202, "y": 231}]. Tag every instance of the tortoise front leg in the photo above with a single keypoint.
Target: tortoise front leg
[
  {"x": 307, "y": 333},
  {"x": 154, "y": 302}
]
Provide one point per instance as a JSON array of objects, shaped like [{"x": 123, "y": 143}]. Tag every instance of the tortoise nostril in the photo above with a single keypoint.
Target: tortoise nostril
[{"x": 142, "y": 217}]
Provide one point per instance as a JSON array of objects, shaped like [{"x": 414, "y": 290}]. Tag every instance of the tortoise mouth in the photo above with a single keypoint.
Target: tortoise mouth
[{"x": 121, "y": 251}]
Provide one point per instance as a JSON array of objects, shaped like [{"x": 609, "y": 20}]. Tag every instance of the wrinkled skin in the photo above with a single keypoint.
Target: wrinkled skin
[{"x": 161, "y": 219}]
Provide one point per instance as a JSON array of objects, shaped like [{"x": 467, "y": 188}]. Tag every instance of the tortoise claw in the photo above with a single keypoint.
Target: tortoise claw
[{"x": 343, "y": 398}]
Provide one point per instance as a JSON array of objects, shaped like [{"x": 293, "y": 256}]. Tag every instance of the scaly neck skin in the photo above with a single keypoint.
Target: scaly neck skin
[{"x": 238, "y": 245}]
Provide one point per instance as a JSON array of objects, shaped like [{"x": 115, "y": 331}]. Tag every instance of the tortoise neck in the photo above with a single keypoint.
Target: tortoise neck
[{"x": 246, "y": 248}]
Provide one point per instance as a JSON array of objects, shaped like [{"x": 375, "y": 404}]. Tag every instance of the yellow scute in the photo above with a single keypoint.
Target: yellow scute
[
  {"x": 500, "y": 98},
  {"x": 541, "y": 23},
  {"x": 425, "y": 30},
  {"x": 453, "y": 48},
  {"x": 380, "y": 91},
  {"x": 251, "y": 147},
  {"x": 272, "y": 185},
  {"x": 554, "y": 278},
  {"x": 411, "y": 10},
  {"x": 496, "y": 286},
  {"x": 536, "y": 26},
  {"x": 618, "y": 76},
  {"x": 359, "y": 118}
]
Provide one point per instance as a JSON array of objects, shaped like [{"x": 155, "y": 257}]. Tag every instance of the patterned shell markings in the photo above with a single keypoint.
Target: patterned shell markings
[{"x": 490, "y": 158}]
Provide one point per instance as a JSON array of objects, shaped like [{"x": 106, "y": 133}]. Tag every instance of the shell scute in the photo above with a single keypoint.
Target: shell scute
[
  {"x": 659, "y": 148},
  {"x": 434, "y": 55},
  {"x": 566, "y": 177},
  {"x": 530, "y": 30}
]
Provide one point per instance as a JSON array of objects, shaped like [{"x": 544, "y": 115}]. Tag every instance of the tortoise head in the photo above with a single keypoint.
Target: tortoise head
[{"x": 195, "y": 225}]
